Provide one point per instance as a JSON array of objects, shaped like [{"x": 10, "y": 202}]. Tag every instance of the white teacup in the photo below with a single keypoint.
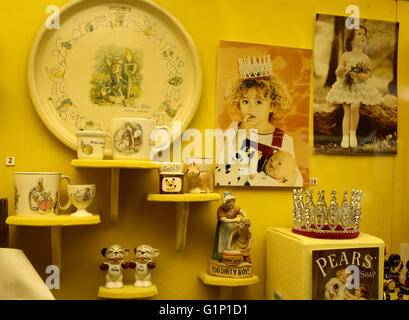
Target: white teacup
[
  {"x": 81, "y": 196},
  {"x": 91, "y": 144},
  {"x": 36, "y": 193},
  {"x": 132, "y": 138}
]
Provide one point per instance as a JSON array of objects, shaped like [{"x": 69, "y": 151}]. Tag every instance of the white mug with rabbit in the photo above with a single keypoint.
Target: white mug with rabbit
[
  {"x": 132, "y": 138},
  {"x": 37, "y": 193}
]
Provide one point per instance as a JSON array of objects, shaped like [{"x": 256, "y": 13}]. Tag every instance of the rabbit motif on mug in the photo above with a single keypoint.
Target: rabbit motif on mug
[{"x": 39, "y": 199}]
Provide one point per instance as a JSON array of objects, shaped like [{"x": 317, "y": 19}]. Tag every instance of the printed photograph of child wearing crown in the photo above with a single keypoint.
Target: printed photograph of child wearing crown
[
  {"x": 355, "y": 86},
  {"x": 263, "y": 88}
]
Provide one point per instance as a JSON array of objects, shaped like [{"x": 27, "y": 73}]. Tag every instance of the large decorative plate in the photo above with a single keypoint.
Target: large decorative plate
[{"x": 111, "y": 59}]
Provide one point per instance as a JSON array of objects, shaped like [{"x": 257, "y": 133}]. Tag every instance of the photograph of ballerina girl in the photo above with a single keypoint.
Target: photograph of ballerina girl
[
  {"x": 263, "y": 88},
  {"x": 355, "y": 86}
]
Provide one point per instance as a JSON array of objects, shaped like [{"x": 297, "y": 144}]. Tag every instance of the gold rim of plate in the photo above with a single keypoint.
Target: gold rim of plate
[
  {"x": 128, "y": 291},
  {"x": 53, "y": 220},
  {"x": 184, "y": 197}
]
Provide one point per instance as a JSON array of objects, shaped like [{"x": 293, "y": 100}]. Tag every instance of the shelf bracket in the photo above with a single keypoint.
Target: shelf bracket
[
  {"x": 225, "y": 293},
  {"x": 56, "y": 246},
  {"x": 114, "y": 193},
  {"x": 182, "y": 214}
]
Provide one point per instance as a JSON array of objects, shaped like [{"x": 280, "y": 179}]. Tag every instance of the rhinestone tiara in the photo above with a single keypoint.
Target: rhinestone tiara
[
  {"x": 257, "y": 67},
  {"x": 332, "y": 222}
]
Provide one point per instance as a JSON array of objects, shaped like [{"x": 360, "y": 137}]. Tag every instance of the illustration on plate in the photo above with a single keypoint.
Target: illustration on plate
[
  {"x": 117, "y": 77},
  {"x": 128, "y": 138},
  {"x": 39, "y": 199},
  {"x": 169, "y": 110}
]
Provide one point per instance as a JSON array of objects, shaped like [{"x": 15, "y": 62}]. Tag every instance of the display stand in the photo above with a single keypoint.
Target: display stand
[
  {"x": 127, "y": 292},
  {"x": 182, "y": 204},
  {"x": 226, "y": 284},
  {"x": 115, "y": 166},
  {"x": 55, "y": 222},
  {"x": 289, "y": 262}
]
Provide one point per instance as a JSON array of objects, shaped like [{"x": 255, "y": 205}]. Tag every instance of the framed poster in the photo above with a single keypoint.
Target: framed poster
[
  {"x": 262, "y": 106},
  {"x": 355, "y": 86},
  {"x": 345, "y": 274}
]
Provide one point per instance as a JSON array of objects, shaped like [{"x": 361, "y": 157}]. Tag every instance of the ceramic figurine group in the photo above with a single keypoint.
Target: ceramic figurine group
[
  {"x": 327, "y": 221},
  {"x": 392, "y": 271},
  {"x": 196, "y": 178},
  {"x": 233, "y": 240},
  {"x": 116, "y": 263}
]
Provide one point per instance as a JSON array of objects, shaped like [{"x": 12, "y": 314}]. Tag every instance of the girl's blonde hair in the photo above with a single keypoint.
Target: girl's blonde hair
[{"x": 271, "y": 88}]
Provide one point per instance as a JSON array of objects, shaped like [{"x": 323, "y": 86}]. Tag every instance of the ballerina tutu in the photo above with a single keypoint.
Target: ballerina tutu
[{"x": 363, "y": 92}]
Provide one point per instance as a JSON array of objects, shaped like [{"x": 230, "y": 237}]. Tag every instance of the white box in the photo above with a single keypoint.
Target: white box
[{"x": 289, "y": 261}]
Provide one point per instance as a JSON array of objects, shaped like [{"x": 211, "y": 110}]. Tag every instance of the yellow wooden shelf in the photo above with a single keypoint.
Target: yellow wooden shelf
[
  {"x": 125, "y": 164},
  {"x": 115, "y": 166},
  {"x": 127, "y": 292},
  {"x": 182, "y": 202},
  {"x": 54, "y": 220},
  {"x": 186, "y": 197},
  {"x": 226, "y": 284}
]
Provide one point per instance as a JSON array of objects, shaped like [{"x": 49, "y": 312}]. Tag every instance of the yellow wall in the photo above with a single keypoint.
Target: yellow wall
[{"x": 277, "y": 22}]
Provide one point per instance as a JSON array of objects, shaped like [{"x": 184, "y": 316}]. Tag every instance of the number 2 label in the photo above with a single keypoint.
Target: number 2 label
[{"x": 10, "y": 161}]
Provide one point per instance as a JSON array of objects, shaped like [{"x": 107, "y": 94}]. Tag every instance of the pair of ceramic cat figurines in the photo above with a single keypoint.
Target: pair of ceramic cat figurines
[{"x": 115, "y": 263}]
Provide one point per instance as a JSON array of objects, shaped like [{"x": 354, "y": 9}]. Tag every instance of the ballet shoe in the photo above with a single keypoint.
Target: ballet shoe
[
  {"x": 345, "y": 142},
  {"x": 352, "y": 140}
]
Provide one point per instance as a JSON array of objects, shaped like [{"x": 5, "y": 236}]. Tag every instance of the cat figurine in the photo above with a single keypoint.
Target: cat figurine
[
  {"x": 114, "y": 265},
  {"x": 143, "y": 264},
  {"x": 198, "y": 181}
]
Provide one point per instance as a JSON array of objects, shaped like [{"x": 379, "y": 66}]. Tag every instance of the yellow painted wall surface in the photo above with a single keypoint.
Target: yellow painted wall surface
[{"x": 278, "y": 22}]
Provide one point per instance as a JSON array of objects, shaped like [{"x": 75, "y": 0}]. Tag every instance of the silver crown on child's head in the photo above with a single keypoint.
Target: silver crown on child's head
[
  {"x": 257, "y": 67},
  {"x": 332, "y": 222}
]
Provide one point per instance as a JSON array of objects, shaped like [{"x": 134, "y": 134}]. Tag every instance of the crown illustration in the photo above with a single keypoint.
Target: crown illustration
[
  {"x": 332, "y": 222},
  {"x": 257, "y": 67}
]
